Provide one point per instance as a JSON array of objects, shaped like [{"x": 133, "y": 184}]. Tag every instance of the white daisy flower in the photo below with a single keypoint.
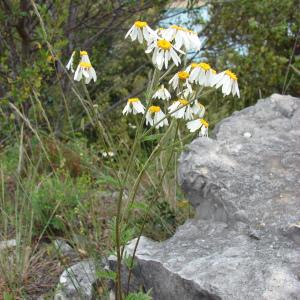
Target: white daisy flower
[
  {"x": 162, "y": 93},
  {"x": 195, "y": 41},
  {"x": 140, "y": 31},
  {"x": 181, "y": 109},
  {"x": 134, "y": 106},
  {"x": 160, "y": 31},
  {"x": 85, "y": 69},
  {"x": 202, "y": 74},
  {"x": 182, "y": 37},
  {"x": 186, "y": 92},
  {"x": 179, "y": 35},
  {"x": 228, "y": 81},
  {"x": 69, "y": 65},
  {"x": 154, "y": 116},
  {"x": 163, "y": 52},
  {"x": 198, "y": 124},
  {"x": 198, "y": 109},
  {"x": 180, "y": 77},
  {"x": 211, "y": 76},
  {"x": 192, "y": 66}
]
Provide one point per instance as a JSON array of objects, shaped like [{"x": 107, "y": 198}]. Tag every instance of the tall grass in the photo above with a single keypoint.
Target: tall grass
[{"x": 64, "y": 188}]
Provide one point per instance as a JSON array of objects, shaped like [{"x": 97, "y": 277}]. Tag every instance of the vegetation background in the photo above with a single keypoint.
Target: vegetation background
[{"x": 56, "y": 178}]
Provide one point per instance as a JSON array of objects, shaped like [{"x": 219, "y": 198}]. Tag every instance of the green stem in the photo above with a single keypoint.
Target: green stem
[
  {"x": 149, "y": 208},
  {"x": 150, "y": 158},
  {"x": 119, "y": 202}
]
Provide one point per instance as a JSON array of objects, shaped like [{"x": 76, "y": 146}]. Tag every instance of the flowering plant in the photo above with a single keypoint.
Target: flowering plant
[{"x": 167, "y": 49}]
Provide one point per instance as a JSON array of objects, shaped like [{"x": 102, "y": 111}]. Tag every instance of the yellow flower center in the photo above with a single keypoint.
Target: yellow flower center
[
  {"x": 204, "y": 66},
  {"x": 183, "y": 102},
  {"x": 83, "y": 53},
  {"x": 192, "y": 32},
  {"x": 140, "y": 24},
  {"x": 204, "y": 123},
  {"x": 213, "y": 71},
  {"x": 133, "y": 100},
  {"x": 154, "y": 109},
  {"x": 183, "y": 75},
  {"x": 194, "y": 65},
  {"x": 85, "y": 64},
  {"x": 164, "y": 44},
  {"x": 231, "y": 75},
  {"x": 178, "y": 28}
]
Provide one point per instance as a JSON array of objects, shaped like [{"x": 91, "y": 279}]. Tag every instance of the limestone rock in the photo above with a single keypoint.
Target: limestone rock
[
  {"x": 63, "y": 248},
  {"x": 245, "y": 186},
  {"x": 77, "y": 282}
]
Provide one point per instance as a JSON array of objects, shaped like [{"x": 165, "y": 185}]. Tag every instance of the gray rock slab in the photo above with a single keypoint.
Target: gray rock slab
[
  {"x": 77, "y": 281},
  {"x": 255, "y": 180},
  {"x": 63, "y": 248},
  {"x": 244, "y": 183}
]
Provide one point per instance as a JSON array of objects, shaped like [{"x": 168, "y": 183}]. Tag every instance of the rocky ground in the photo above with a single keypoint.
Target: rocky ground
[{"x": 245, "y": 185}]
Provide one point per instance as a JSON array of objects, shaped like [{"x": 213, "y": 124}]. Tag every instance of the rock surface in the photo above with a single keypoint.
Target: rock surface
[
  {"x": 245, "y": 186},
  {"x": 77, "y": 282},
  {"x": 64, "y": 249}
]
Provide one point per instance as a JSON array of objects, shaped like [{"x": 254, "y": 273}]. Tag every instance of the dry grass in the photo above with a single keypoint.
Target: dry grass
[{"x": 41, "y": 276}]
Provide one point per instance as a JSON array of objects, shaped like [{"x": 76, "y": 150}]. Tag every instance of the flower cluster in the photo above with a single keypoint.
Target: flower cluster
[
  {"x": 84, "y": 69},
  {"x": 168, "y": 47}
]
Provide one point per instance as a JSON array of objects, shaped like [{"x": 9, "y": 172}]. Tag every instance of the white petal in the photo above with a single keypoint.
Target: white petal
[
  {"x": 179, "y": 114},
  {"x": 127, "y": 109},
  {"x": 193, "y": 125},
  {"x": 173, "y": 107},
  {"x": 85, "y": 73},
  {"x": 150, "y": 48},
  {"x": 219, "y": 79},
  {"x": 175, "y": 57},
  {"x": 226, "y": 88},
  {"x": 140, "y": 35},
  {"x": 129, "y": 32},
  {"x": 134, "y": 33},
  {"x": 149, "y": 120},
  {"x": 166, "y": 59},
  {"x": 78, "y": 73},
  {"x": 160, "y": 59},
  {"x": 237, "y": 88},
  {"x": 167, "y": 95},
  {"x": 139, "y": 107},
  {"x": 154, "y": 56},
  {"x": 93, "y": 74},
  {"x": 204, "y": 131}
]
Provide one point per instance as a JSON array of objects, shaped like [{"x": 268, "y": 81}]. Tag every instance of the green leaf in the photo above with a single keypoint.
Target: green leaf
[
  {"x": 152, "y": 137},
  {"x": 295, "y": 70},
  {"x": 129, "y": 261},
  {"x": 7, "y": 296},
  {"x": 107, "y": 274},
  {"x": 139, "y": 205},
  {"x": 139, "y": 296},
  {"x": 107, "y": 179}
]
